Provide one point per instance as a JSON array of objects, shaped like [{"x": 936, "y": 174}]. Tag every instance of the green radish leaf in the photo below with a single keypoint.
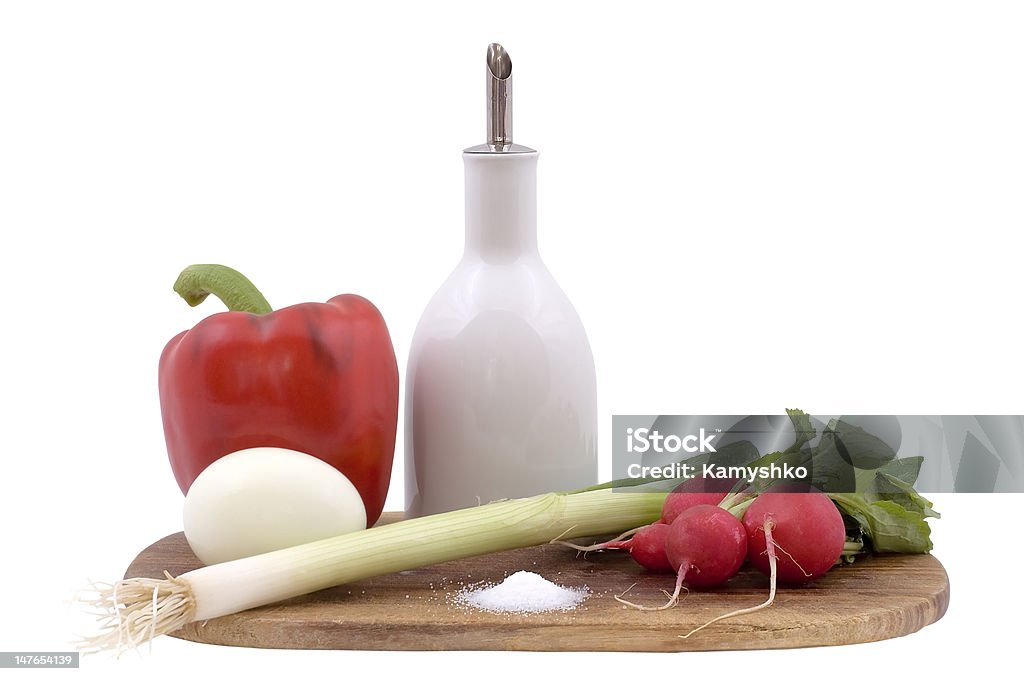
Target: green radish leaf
[
  {"x": 906, "y": 469},
  {"x": 890, "y": 527},
  {"x": 830, "y": 471},
  {"x": 864, "y": 481},
  {"x": 891, "y": 488},
  {"x": 858, "y": 447},
  {"x": 802, "y": 427}
]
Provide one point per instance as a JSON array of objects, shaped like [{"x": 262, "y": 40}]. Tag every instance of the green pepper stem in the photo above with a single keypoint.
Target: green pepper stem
[{"x": 196, "y": 282}]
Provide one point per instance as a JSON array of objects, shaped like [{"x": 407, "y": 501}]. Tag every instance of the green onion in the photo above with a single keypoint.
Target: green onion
[{"x": 136, "y": 610}]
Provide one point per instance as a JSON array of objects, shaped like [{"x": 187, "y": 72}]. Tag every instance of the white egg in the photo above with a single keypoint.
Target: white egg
[{"x": 263, "y": 499}]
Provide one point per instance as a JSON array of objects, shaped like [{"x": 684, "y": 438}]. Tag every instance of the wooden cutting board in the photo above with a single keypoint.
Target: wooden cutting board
[{"x": 876, "y": 598}]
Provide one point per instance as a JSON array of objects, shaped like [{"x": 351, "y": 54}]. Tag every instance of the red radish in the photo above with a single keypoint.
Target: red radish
[
  {"x": 792, "y": 537},
  {"x": 694, "y": 492},
  {"x": 645, "y": 544},
  {"x": 806, "y": 528},
  {"x": 706, "y": 546},
  {"x": 647, "y": 547}
]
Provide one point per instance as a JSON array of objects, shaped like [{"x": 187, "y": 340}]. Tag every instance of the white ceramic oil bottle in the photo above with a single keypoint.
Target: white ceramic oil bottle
[{"x": 500, "y": 393}]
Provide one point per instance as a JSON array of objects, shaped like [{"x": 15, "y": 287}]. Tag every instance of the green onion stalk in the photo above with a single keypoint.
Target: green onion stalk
[{"x": 135, "y": 610}]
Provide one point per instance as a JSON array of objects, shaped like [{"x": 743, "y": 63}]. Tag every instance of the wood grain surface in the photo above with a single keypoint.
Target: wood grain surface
[{"x": 876, "y": 598}]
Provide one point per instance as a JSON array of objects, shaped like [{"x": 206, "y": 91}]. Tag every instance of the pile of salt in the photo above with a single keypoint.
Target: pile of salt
[{"x": 524, "y": 592}]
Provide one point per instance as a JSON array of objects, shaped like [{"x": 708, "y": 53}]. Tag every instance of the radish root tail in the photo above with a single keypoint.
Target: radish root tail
[
  {"x": 137, "y": 610},
  {"x": 673, "y": 598},
  {"x": 791, "y": 558},
  {"x": 615, "y": 543},
  {"x": 773, "y": 565}
]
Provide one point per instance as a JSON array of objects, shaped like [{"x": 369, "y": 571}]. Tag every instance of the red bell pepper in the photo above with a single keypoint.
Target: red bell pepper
[{"x": 319, "y": 378}]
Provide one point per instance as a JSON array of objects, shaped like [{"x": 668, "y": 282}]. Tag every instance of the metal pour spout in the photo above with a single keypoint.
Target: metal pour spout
[
  {"x": 499, "y": 98},
  {"x": 499, "y": 106}
]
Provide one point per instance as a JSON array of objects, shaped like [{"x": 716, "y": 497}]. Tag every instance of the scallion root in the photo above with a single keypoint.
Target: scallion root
[{"x": 135, "y": 611}]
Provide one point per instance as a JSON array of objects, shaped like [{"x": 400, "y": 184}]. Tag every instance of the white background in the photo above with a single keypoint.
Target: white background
[{"x": 753, "y": 205}]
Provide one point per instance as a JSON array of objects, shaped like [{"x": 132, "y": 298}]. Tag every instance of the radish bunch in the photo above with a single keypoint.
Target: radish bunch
[{"x": 792, "y": 534}]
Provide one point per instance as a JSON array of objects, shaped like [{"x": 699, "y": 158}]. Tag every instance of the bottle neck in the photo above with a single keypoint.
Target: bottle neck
[{"x": 501, "y": 206}]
